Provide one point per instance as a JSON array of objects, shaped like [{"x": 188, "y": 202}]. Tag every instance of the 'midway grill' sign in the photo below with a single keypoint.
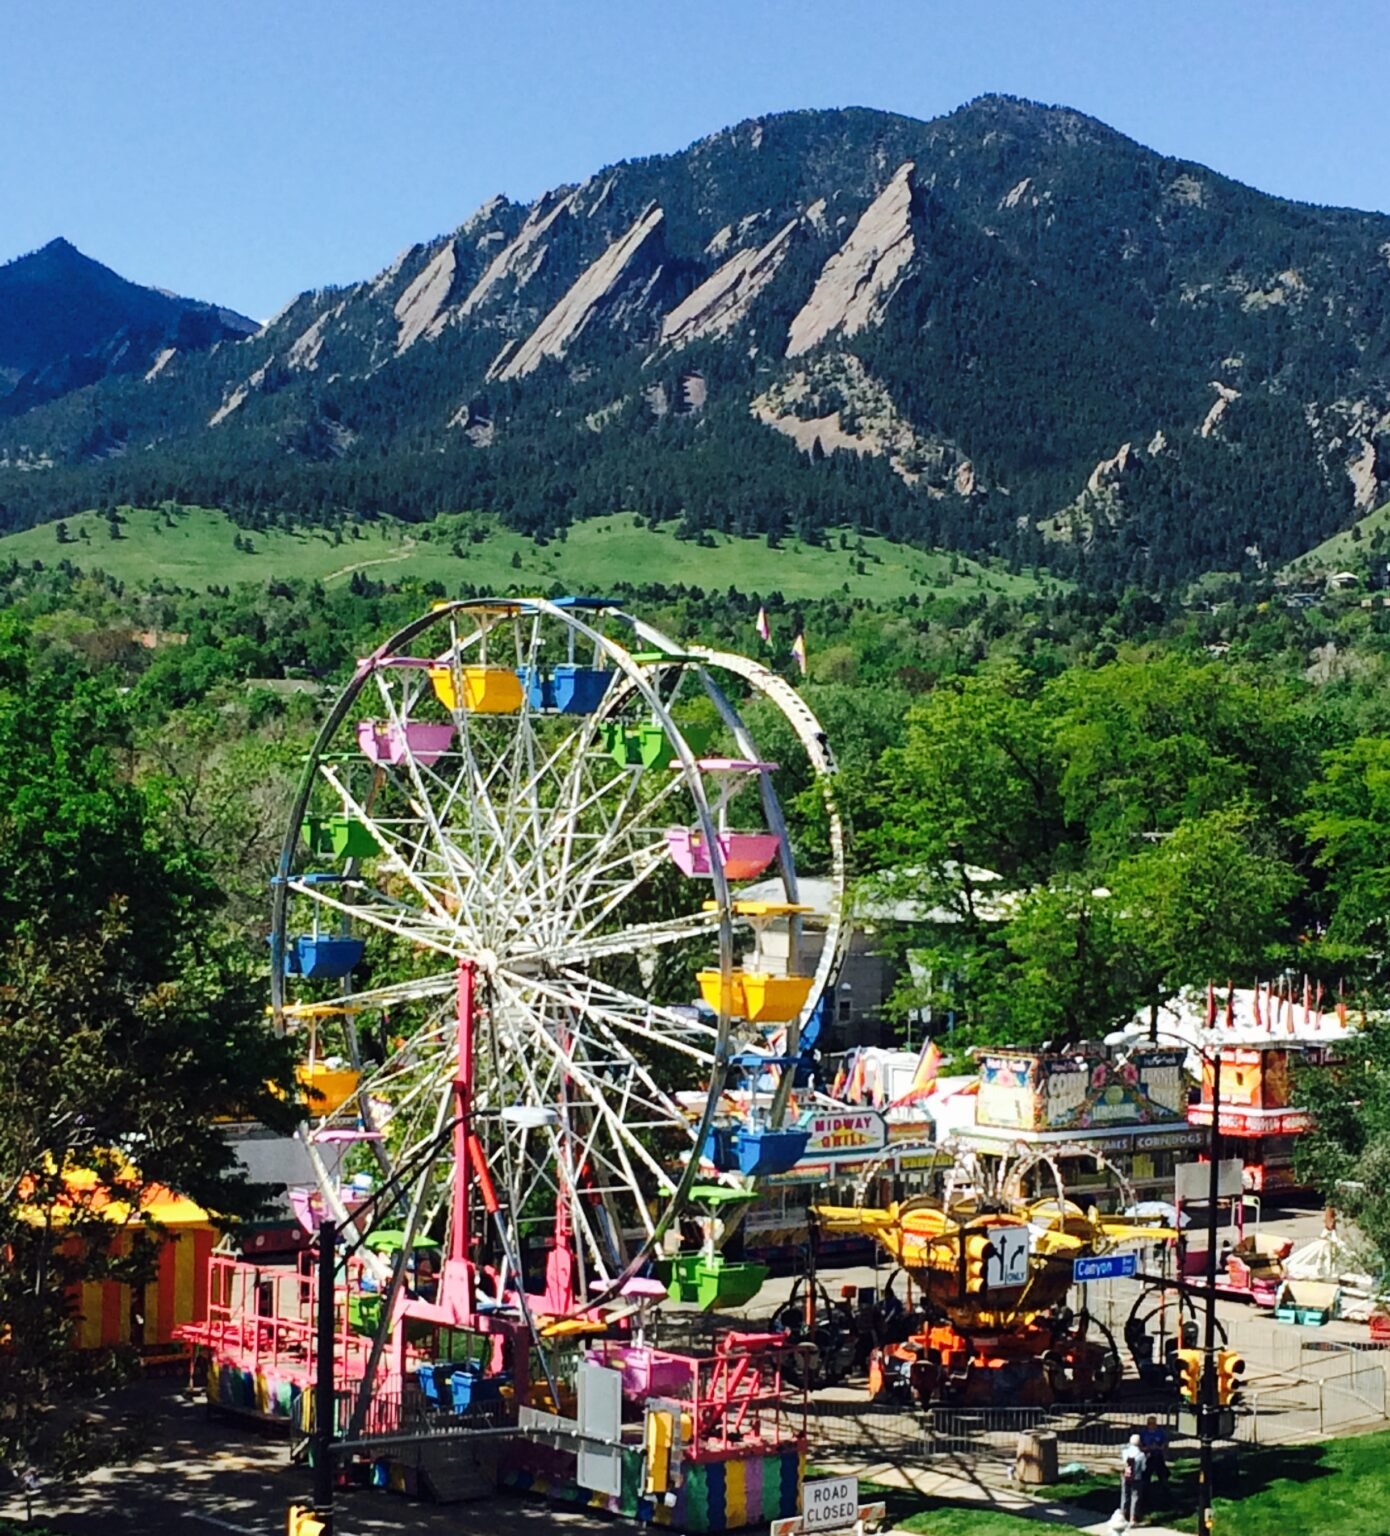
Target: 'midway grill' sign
[{"x": 852, "y": 1133}]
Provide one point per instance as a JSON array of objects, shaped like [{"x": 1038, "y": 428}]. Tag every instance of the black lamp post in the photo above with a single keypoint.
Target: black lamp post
[
  {"x": 324, "y": 1377},
  {"x": 1207, "y": 1404},
  {"x": 1206, "y": 1413}
]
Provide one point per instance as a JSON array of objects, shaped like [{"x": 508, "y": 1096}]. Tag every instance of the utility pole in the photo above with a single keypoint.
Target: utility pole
[{"x": 324, "y": 1377}]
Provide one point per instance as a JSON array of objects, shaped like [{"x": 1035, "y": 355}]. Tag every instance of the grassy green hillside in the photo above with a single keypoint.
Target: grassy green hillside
[
  {"x": 197, "y": 547},
  {"x": 1346, "y": 550}
]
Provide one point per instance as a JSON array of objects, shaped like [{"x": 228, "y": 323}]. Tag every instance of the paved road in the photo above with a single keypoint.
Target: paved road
[{"x": 205, "y": 1476}]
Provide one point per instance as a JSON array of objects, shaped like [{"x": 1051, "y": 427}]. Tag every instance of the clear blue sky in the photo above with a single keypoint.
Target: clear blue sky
[{"x": 242, "y": 150}]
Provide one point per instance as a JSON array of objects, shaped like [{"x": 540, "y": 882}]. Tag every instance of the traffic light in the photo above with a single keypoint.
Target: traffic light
[
  {"x": 1187, "y": 1367},
  {"x": 1230, "y": 1367},
  {"x": 975, "y": 1261}
]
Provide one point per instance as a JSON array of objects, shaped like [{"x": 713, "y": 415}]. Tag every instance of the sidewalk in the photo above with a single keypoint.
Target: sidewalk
[{"x": 958, "y": 1488}]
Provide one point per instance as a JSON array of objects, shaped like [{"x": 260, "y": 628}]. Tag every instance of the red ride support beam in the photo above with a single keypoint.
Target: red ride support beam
[
  {"x": 461, "y": 1242},
  {"x": 485, "y": 1186}
]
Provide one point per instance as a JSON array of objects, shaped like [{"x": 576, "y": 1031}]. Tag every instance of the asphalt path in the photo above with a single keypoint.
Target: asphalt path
[{"x": 205, "y": 1475}]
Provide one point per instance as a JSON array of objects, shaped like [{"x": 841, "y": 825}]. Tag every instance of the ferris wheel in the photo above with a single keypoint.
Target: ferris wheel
[{"x": 514, "y": 861}]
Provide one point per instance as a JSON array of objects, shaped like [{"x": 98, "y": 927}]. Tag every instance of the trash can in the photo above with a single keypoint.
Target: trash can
[{"x": 1035, "y": 1459}]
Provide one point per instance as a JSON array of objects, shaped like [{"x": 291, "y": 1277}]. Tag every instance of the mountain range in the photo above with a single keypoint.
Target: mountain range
[
  {"x": 66, "y": 322},
  {"x": 1010, "y": 329}
]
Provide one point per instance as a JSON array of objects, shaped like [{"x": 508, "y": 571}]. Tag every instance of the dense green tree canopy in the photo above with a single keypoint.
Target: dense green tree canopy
[{"x": 130, "y": 1021}]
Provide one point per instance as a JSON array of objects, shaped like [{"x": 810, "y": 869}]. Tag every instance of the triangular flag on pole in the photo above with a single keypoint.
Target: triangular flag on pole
[
  {"x": 764, "y": 628},
  {"x": 1230, "y": 1005},
  {"x": 1211, "y": 1005},
  {"x": 924, "y": 1076},
  {"x": 799, "y": 652},
  {"x": 1255, "y": 1004},
  {"x": 841, "y": 1078},
  {"x": 854, "y": 1093}
]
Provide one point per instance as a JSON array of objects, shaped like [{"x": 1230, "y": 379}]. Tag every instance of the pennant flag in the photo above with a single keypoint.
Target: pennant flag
[
  {"x": 1307, "y": 999},
  {"x": 1317, "y": 1006},
  {"x": 1341, "y": 1004},
  {"x": 799, "y": 652},
  {"x": 1255, "y": 1005},
  {"x": 841, "y": 1078},
  {"x": 1211, "y": 1005},
  {"x": 854, "y": 1092},
  {"x": 1289, "y": 1025},
  {"x": 924, "y": 1076},
  {"x": 764, "y": 628},
  {"x": 1230, "y": 1005}
]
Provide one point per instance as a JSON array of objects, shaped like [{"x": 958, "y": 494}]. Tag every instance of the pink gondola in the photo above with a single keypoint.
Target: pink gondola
[
  {"x": 422, "y": 740},
  {"x": 744, "y": 855}
]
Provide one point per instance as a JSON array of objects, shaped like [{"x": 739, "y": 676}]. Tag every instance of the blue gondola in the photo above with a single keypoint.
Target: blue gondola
[
  {"x": 755, "y": 1149},
  {"x": 566, "y": 688},
  {"x": 329, "y": 956},
  {"x": 471, "y": 1388}
]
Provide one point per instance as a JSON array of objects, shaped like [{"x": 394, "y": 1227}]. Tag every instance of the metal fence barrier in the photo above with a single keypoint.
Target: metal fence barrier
[
  {"x": 1347, "y": 1392},
  {"x": 873, "y": 1432}
]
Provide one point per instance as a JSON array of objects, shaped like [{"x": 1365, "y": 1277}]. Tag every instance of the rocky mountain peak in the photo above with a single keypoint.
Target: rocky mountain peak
[
  {"x": 855, "y": 285},
  {"x": 944, "y": 330}
]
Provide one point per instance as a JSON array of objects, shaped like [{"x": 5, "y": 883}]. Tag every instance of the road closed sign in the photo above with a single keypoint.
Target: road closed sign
[{"x": 830, "y": 1503}]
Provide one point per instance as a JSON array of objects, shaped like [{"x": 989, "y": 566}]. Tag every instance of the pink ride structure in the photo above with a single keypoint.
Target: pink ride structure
[{"x": 708, "y": 1442}]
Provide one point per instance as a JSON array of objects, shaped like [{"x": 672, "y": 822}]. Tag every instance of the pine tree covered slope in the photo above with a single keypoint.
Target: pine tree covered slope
[{"x": 1010, "y": 328}]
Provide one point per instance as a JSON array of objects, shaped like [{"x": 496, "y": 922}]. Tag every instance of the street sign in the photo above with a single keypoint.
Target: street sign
[
  {"x": 1007, "y": 1261},
  {"x": 1192, "y": 1181},
  {"x": 1114, "y": 1266},
  {"x": 829, "y": 1504},
  {"x": 869, "y": 1514}
]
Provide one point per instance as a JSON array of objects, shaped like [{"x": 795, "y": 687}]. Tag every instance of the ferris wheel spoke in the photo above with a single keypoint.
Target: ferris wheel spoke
[
  {"x": 584, "y": 1083},
  {"x": 389, "y": 920},
  {"x": 561, "y": 828},
  {"x": 648, "y": 1020},
  {"x": 394, "y": 859},
  {"x": 398, "y": 712},
  {"x": 632, "y": 819},
  {"x": 626, "y": 941},
  {"x": 658, "y": 1108}
]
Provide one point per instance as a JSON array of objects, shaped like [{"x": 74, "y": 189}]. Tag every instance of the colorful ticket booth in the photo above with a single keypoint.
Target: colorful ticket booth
[
  {"x": 1259, "y": 1120},
  {"x": 1131, "y": 1107}
]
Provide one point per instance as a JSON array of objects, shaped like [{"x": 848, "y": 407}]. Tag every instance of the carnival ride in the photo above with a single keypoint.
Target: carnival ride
[
  {"x": 992, "y": 1266},
  {"x": 511, "y": 861}
]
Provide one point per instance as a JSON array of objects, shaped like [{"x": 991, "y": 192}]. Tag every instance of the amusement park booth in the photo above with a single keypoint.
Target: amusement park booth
[
  {"x": 109, "y": 1314},
  {"x": 1259, "y": 1119},
  {"x": 1131, "y": 1108}
]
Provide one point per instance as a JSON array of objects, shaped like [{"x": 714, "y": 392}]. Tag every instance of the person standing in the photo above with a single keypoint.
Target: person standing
[
  {"x": 1131, "y": 1479},
  {"x": 1153, "y": 1441}
]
